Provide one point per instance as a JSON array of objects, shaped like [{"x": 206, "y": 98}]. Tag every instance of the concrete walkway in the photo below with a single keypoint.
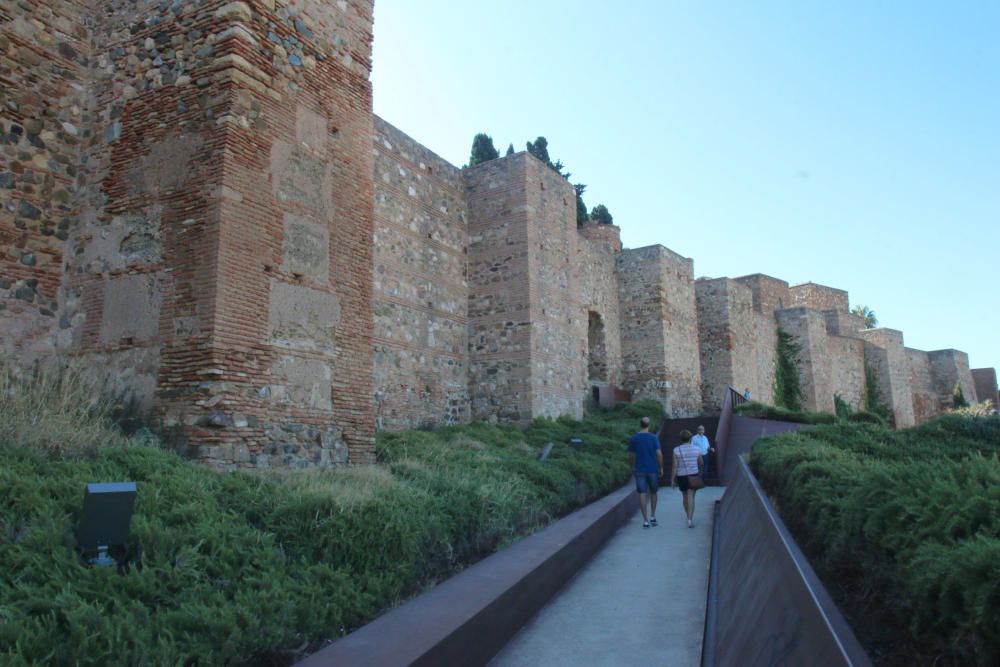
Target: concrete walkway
[{"x": 640, "y": 601}]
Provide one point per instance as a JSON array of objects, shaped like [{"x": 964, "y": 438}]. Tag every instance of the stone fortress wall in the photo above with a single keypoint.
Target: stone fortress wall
[{"x": 199, "y": 204}]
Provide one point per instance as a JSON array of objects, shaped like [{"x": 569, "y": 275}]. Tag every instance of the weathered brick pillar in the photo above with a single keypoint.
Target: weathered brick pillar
[
  {"x": 225, "y": 249},
  {"x": 293, "y": 311}
]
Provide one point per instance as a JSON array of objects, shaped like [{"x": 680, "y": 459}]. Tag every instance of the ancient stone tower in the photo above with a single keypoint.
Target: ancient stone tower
[{"x": 188, "y": 205}]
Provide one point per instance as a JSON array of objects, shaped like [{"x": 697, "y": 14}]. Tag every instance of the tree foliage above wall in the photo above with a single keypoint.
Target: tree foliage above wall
[
  {"x": 483, "y": 150},
  {"x": 601, "y": 215},
  {"x": 581, "y": 208},
  {"x": 867, "y": 314},
  {"x": 787, "y": 386}
]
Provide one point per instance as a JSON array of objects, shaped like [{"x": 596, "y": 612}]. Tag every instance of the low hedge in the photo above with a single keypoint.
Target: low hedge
[
  {"x": 260, "y": 569},
  {"x": 764, "y": 411},
  {"x": 864, "y": 417},
  {"x": 904, "y": 529}
]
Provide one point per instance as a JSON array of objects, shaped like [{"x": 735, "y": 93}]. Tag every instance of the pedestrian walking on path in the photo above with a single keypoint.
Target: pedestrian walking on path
[
  {"x": 684, "y": 472},
  {"x": 646, "y": 460},
  {"x": 700, "y": 440}
]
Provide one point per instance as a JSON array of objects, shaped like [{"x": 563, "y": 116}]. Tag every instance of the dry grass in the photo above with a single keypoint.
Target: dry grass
[
  {"x": 346, "y": 487},
  {"x": 55, "y": 409},
  {"x": 983, "y": 409}
]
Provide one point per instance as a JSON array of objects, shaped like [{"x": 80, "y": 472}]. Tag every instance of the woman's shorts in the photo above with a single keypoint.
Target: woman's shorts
[
  {"x": 682, "y": 482},
  {"x": 646, "y": 482}
]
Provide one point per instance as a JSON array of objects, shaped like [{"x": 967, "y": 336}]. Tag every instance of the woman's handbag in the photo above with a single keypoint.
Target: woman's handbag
[{"x": 695, "y": 482}]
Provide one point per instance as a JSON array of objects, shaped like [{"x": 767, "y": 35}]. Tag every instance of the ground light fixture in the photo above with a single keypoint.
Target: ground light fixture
[{"x": 104, "y": 521}]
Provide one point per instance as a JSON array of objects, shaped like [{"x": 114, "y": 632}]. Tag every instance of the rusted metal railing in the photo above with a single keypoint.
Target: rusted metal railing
[{"x": 730, "y": 399}]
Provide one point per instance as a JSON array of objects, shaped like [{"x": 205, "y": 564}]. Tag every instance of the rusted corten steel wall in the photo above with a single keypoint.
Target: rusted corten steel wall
[{"x": 766, "y": 605}]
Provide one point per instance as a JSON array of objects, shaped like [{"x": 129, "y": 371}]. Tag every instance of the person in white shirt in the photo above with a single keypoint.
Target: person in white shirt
[
  {"x": 700, "y": 440},
  {"x": 687, "y": 464}
]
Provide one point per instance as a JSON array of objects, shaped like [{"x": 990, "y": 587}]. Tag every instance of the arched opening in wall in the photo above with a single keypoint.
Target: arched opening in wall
[{"x": 597, "y": 357}]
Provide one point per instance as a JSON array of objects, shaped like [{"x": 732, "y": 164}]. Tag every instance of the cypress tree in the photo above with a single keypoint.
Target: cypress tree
[
  {"x": 581, "y": 208},
  {"x": 601, "y": 215},
  {"x": 482, "y": 150},
  {"x": 540, "y": 149}
]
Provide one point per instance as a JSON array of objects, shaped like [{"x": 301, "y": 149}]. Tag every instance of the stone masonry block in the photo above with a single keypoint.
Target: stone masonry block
[
  {"x": 131, "y": 310},
  {"x": 302, "y": 382},
  {"x": 306, "y": 248},
  {"x": 310, "y": 128},
  {"x": 303, "y": 318}
]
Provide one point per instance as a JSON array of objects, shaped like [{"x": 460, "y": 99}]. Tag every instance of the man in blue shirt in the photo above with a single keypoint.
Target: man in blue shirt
[{"x": 646, "y": 459}]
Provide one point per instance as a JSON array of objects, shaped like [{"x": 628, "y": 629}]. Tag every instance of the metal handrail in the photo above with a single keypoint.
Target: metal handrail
[{"x": 730, "y": 399}]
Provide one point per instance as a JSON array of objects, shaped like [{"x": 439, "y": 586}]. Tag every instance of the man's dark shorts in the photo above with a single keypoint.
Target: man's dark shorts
[{"x": 646, "y": 482}]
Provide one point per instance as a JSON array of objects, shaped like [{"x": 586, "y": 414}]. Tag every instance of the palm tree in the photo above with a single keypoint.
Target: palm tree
[{"x": 867, "y": 314}]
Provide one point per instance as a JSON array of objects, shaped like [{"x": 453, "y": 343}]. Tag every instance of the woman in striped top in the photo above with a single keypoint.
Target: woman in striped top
[{"x": 687, "y": 462}]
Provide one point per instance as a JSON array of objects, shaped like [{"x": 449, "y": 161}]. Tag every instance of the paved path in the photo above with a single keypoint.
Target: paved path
[{"x": 640, "y": 601}]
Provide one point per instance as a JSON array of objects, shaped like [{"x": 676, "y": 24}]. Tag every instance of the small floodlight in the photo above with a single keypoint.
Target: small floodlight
[{"x": 105, "y": 519}]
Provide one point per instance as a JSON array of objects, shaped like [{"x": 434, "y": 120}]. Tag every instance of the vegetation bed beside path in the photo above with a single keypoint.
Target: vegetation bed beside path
[
  {"x": 248, "y": 568},
  {"x": 904, "y": 529}
]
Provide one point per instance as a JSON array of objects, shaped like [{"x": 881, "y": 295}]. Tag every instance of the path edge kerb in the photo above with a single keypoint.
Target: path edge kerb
[{"x": 468, "y": 618}]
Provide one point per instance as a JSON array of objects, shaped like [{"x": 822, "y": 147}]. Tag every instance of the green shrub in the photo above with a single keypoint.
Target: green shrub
[
  {"x": 787, "y": 385},
  {"x": 958, "y": 397},
  {"x": 762, "y": 411},
  {"x": 874, "y": 401},
  {"x": 864, "y": 417},
  {"x": 903, "y": 527},
  {"x": 840, "y": 407},
  {"x": 260, "y": 568}
]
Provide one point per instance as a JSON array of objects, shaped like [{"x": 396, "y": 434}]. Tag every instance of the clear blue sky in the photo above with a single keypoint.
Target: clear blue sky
[{"x": 853, "y": 144}]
